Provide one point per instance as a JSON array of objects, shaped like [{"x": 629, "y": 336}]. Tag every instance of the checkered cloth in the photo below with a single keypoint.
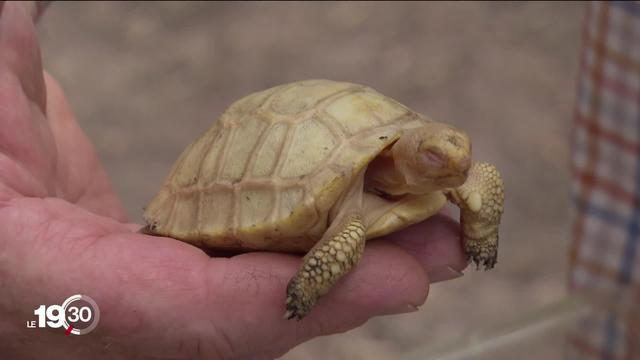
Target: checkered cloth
[{"x": 605, "y": 251}]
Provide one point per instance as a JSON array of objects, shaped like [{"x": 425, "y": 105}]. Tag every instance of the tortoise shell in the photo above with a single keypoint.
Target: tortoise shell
[{"x": 267, "y": 174}]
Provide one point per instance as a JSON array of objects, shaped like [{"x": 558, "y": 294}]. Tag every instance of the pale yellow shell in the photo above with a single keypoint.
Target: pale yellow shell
[{"x": 268, "y": 172}]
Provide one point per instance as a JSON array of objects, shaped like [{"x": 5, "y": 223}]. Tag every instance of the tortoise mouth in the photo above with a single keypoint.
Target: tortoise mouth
[
  {"x": 434, "y": 181},
  {"x": 448, "y": 181}
]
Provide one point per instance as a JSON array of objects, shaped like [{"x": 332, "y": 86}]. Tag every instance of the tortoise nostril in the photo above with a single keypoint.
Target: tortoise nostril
[{"x": 457, "y": 141}]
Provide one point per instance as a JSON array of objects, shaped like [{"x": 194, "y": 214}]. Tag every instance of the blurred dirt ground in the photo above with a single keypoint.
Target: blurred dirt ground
[{"x": 146, "y": 78}]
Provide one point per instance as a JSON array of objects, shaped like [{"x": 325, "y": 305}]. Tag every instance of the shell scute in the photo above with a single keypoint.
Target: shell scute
[
  {"x": 270, "y": 150},
  {"x": 240, "y": 148},
  {"x": 212, "y": 219},
  {"x": 311, "y": 145},
  {"x": 304, "y": 96}
]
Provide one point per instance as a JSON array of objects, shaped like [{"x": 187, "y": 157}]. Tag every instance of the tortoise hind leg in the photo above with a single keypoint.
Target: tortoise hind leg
[
  {"x": 481, "y": 202},
  {"x": 338, "y": 251},
  {"x": 386, "y": 216}
]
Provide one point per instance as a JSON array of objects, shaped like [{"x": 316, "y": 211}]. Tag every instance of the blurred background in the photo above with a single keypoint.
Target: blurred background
[{"x": 145, "y": 79}]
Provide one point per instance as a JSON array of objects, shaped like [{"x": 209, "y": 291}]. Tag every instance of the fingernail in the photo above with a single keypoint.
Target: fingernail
[
  {"x": 443, "y": 273},
  {"x": 412, "y": 308},
  {"x": 408, "y": 308}
]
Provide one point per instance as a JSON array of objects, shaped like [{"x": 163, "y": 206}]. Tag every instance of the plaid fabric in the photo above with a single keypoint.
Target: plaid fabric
[{"x": 605, "y": 251}]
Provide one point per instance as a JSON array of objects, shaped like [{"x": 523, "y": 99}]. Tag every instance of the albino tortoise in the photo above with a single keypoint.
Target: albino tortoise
[{"x": 319, "y": 166}]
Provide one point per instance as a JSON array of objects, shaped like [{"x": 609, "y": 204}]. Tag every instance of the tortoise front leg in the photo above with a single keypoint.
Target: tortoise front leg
[
  {"x": 337, "y": 252},
  {"x": 331, "y": 258},
  {"x": 481, "y": 202}
]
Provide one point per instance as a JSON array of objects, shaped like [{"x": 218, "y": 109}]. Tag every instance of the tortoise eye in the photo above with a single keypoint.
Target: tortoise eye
[{"x": 432, "y": 158}]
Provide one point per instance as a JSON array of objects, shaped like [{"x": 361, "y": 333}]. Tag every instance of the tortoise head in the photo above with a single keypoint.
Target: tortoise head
[{"x": 433, "y": 157}]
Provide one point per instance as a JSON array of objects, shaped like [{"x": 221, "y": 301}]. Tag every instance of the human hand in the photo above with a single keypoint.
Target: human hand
[{"x": 63, "y": 232}]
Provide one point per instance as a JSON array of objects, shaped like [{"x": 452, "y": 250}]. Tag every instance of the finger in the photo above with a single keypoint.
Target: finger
[
  {"x": 436, "y": 244},
  {"x": 80, "y": 176},
  {"x": 35, "y": 8},
  {"x": 41, "y": 6},
  {"x": 251, "y": 289},
  {"x": 27, "y": 159},
  {"x": 19, "y": 52}
]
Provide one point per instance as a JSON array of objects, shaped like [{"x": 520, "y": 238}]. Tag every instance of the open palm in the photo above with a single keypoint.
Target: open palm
[{"x": 63, "y": 232}]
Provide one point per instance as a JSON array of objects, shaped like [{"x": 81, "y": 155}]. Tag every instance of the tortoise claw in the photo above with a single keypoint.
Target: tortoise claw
[
  {"x": 482, "y": 253},
  {"x": 299, "y": 301},
  {"x": 288, "y": 315}
]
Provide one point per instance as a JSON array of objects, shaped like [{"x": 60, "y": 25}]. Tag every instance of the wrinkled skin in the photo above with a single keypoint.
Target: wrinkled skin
[{"x": 63, "y": 232}]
